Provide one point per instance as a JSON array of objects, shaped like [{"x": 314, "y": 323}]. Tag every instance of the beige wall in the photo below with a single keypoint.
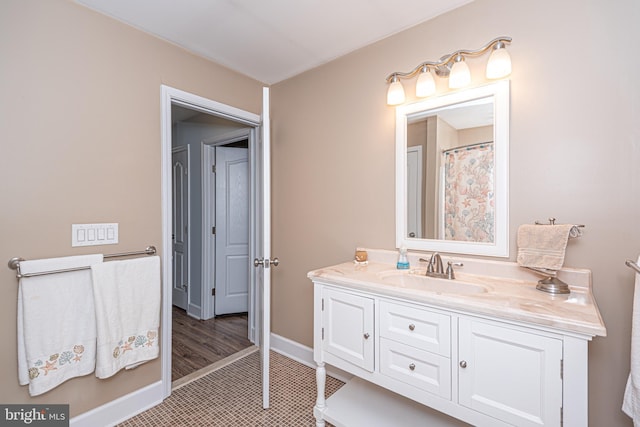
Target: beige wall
[
  {"x": 80, "y": 125},
  {"x": 475, "y": 135},
  {"x": 574, "y": 75}
]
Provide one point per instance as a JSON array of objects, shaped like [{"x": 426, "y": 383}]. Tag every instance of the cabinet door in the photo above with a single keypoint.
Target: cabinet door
[
  {"x": 509, "y": 374},
  {"x": 347, "y": 322}
]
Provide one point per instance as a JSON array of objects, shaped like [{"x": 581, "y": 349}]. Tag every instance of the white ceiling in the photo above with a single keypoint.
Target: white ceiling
[{"x": 272, "y": 40}]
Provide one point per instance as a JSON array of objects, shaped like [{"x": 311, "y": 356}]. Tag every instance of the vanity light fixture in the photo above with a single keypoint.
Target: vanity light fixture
[{"x": 452, "y": 66}]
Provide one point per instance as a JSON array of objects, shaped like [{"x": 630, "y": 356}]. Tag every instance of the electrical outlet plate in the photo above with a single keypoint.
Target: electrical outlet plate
[{"x": 94, "y": 234}]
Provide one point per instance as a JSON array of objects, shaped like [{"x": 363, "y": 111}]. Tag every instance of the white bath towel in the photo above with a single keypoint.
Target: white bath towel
[
  {"x": 544, "y": 246},
  {"x": 56, "y": 323},
  {"x": 631, "y": 402},
  {"x": 127, "y": 299}
]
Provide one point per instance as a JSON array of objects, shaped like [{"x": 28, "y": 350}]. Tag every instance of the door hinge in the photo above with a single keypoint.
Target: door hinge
[
  {"x": 561, "y": 369},
  {"x": 213, "y": 292},
  {"x": 213, "y": 230},
  {"x": 322, "y": 305},
  {"x": 561, "y": 416},
  {"x": 323, "y": 333},
  {"x": 213, "y": 168}
]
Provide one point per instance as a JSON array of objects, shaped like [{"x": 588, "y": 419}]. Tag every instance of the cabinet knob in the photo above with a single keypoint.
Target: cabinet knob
[
  {"x": 463, "y": 363},
  {"x": 412, "y": 367},
  {"x": 412, "y": 327},
  {"x": 366, "y": 336}
]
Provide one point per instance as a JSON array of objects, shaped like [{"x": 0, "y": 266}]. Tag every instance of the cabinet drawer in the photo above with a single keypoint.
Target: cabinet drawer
[
  {"x": 421, "y": 369},
  {"x": 416, "y": 327}
]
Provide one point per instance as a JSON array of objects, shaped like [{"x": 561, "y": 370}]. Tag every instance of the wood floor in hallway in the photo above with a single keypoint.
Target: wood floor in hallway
[{"x": 199, "y": 343}]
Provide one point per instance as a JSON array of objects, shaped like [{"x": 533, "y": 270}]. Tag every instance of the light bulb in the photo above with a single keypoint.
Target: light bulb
[
  {"x": 460, "y": 76},
  {"x": 426, "y": 85},
  {"x": 395, "y": 94},
  {"x": 499, "y": 64}
]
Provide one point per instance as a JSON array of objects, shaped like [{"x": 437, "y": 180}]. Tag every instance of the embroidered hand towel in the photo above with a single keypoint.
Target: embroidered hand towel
[
  {"x": 631, "y": 402},
  {"x": 127, "y": 300},
  {"x": 56, "y": 322},
  {"x": 543, "y": 246}
]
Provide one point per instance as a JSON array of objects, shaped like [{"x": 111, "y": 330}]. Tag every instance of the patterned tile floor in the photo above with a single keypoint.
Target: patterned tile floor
[{"x": 230, "y": 396}]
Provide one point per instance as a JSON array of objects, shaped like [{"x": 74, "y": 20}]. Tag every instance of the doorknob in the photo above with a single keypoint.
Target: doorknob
[{"x": 266, "y": 262}]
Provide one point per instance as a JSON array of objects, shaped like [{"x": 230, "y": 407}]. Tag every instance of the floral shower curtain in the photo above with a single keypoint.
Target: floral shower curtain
[{"x": 469, "y": 197}]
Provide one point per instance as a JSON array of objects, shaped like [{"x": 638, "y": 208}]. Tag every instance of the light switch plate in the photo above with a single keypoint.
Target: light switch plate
[{"x": 94, "y": 234}]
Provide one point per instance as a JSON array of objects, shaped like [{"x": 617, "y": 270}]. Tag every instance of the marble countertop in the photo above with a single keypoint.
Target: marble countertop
[{"x": 515, "y": 299}]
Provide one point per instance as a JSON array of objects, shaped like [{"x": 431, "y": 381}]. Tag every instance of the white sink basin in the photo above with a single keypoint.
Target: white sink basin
[{"x": 417, "y": 281}]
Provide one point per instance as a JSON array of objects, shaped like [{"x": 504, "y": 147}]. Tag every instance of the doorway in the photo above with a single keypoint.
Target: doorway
[
  {"x": 257, "y": 329},
  {"x": 210, "y": 232}
]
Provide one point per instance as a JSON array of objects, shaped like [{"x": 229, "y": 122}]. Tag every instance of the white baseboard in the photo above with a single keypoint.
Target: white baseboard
[
  {"x": 194, "y": 310},
  {"x": 303, "y": 354},
  {"x": 121, "y": 409},
  {"x": 293, "y": 350}
]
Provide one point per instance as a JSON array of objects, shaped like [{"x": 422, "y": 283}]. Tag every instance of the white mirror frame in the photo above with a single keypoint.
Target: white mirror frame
[{"x": 500, "y": 247}]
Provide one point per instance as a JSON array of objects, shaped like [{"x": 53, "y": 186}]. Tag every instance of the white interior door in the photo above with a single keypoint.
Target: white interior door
[
  {"x": 180, "y": 225},
  {"x": 263, "y": 260},
  {"x": 232, "y": 230}
]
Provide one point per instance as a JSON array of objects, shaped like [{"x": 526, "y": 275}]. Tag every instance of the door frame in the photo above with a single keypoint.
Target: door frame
[
  {"x": 169, "y": 96},
  {"x": 418, "y": 189},
  {"x": 208, "y": 211}
]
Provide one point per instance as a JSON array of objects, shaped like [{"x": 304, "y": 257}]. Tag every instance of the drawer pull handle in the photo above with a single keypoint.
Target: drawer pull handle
[
  {"x": 366, "y": 336},
  {"x": 463, "y": 364},
  {"x": 412, "y": 327},
  {"x": 412, "y": 367}
]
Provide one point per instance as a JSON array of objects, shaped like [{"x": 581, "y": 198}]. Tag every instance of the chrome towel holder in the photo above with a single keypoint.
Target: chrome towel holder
[
  {"x": 632, "y": 265},
  {"x": 551, "y": 284},
  {"x": 14, "y": 263}
]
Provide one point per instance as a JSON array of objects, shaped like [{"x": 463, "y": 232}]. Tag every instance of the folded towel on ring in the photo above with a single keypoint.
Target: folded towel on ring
[{"x": 544, "y": 246}]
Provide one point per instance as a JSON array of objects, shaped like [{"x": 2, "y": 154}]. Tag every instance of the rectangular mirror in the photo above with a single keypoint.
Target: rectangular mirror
[{"x": 452, "y": 155}]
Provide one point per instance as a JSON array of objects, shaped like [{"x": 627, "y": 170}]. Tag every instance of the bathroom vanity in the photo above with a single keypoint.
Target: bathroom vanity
[{"x": 486, "y": 348}]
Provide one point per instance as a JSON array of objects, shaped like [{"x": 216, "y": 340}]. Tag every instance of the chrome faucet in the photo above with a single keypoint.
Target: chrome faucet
[{"x": 436, "y": 269}]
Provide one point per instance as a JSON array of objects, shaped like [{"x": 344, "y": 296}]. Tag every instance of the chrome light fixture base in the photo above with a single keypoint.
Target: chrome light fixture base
[{"x": 443, "y": 66}]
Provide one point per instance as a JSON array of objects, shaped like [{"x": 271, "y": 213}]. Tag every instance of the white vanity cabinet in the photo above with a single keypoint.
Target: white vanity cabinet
[{"x": 426, "y": 365}]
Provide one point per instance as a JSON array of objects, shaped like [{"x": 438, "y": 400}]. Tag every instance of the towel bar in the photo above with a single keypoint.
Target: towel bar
[
  {"x": 552, "y": 221},
  {"x": 632, "y": 265},
  {"x": 14, "y": 263}
]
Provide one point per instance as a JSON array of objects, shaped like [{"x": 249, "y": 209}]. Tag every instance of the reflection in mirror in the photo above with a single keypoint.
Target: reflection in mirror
[
  {"x": 452, "y": 154},
  {"x": 453, "y": 146}
]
